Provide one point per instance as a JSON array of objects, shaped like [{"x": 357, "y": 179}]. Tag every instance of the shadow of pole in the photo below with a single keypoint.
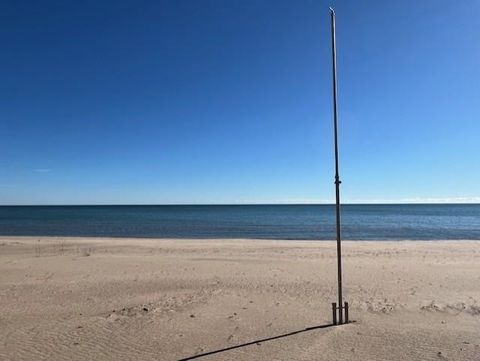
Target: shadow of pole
[{"x": 257, "y": 341}]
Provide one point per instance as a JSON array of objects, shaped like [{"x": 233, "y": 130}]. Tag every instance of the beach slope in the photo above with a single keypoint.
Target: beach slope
[{"x": 147, "y": 299}]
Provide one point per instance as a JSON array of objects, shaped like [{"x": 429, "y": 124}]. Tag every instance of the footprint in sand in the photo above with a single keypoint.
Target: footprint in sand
[{"x": 440, "y": 356}]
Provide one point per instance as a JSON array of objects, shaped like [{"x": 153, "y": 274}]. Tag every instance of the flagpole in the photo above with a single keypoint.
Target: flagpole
[{"x": 337, "y": 177}]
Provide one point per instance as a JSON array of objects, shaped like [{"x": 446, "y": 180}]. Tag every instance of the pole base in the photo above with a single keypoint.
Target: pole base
[{"x": 342, "y": 312}]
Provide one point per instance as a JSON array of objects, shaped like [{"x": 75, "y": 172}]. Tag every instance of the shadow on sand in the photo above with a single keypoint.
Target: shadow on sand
[{"x": 256, "y": 342}]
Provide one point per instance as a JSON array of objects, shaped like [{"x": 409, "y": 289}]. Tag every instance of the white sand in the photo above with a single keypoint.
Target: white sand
[{"x": 84, "y": 299}]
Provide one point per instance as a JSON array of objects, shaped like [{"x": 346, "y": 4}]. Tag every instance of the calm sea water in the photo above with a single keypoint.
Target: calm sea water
[{"x": 360, "y": 222}]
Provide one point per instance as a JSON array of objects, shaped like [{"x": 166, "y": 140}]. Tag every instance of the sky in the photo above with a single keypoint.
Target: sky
[{"x": 229, "y": 101}]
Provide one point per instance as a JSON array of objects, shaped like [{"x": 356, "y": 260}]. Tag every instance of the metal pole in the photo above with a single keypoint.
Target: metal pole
[
  {"x": 337, "y": 177},
  {"x": 334, "y": 313},
  {"x": 346, "y": 312}
]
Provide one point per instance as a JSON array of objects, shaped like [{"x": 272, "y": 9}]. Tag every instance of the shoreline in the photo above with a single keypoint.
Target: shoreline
[{"x": 223, "y": 239}]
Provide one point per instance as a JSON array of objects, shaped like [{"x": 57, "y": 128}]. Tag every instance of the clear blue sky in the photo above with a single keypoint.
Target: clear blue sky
[{"x": 230, "y": 101}]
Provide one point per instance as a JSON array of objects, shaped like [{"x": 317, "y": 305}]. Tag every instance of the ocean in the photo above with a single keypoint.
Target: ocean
[{"x": 311, "y": 222}]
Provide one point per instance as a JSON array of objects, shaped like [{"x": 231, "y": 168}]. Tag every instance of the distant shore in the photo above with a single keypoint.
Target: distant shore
[{"x": 163, "y": 299}]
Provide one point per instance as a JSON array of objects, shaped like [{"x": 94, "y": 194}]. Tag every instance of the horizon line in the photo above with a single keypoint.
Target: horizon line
[{"x": 237, "y": 204}]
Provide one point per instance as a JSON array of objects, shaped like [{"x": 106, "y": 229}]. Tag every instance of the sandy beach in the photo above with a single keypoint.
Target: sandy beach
[{"x": 147, "y": 299}]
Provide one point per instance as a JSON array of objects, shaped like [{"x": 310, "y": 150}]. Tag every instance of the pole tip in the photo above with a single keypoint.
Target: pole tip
[{"x": 331, "y": 9}]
